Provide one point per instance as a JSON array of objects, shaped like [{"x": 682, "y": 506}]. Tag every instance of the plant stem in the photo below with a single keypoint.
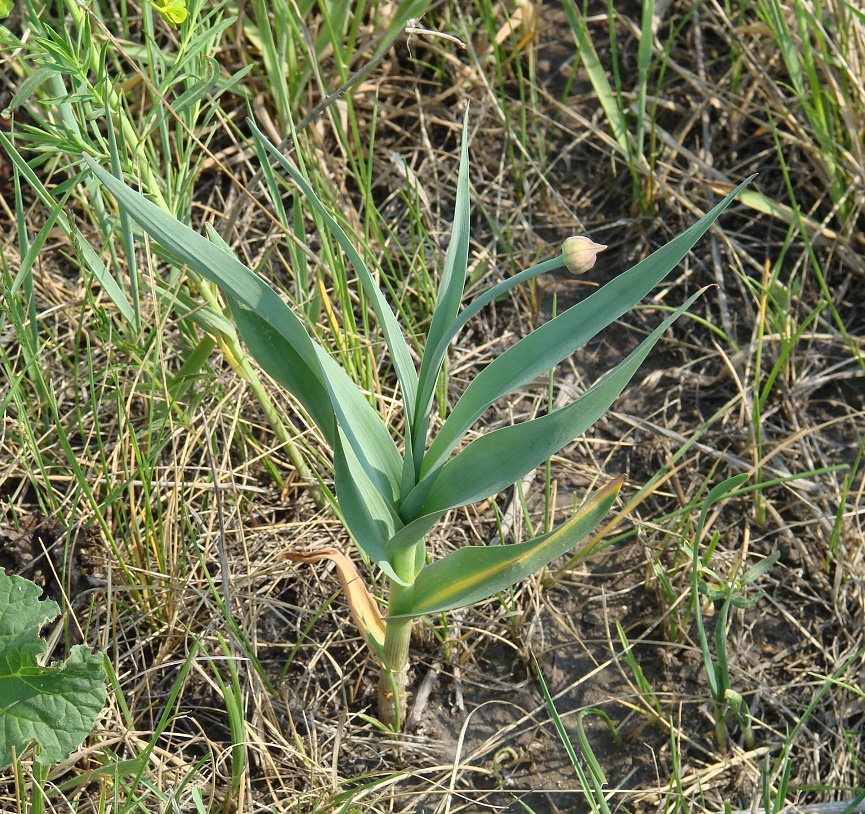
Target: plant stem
[
  {"x": 721, "y": 726},
  {"x": 392, "y": 695}
]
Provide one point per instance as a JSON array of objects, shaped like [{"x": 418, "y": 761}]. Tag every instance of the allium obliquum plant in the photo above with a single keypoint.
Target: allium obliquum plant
[{"x": 392, "y": 488}]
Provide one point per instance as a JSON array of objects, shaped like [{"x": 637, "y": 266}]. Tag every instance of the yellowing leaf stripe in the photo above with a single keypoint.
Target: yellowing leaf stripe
[{"x": 474, "y": 573}]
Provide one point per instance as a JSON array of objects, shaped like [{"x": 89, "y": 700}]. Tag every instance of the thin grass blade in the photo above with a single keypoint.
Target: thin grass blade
[
  {"x": 599, "y": 806},
  {"x": 598, "y": 77},
  {"x": 92, "y": 261}
]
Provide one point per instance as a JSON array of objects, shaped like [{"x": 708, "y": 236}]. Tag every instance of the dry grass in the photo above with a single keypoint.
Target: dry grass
[{"x": 181, "y": 574}]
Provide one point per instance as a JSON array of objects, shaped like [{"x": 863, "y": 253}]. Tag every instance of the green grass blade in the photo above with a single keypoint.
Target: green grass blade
[
  {"x": 716, "y": 494},
  {"x": 474, "y": 573},
  {"x": 548, "y": 345},
  {"x": 87, "y": 256},
  {"x": 644, "y": 61},
  {"x": 496, "y": 460},
  {"x": 402, "y": 361},
  {"x": 593, "y": 793},
  {"x": 598, "y": 77},
  {"x": 448, "y": 300}
]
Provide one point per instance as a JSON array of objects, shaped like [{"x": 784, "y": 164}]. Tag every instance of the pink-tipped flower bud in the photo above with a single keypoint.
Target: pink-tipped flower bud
[{"x": 580, "y": 253}]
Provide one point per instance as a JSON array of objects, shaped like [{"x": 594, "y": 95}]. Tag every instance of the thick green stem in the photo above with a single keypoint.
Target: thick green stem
[{"x": 392, "y": 695}]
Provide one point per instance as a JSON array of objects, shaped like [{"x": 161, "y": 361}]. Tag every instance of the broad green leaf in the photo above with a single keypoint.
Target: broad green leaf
[
  {"x": 447, "y": 302},
  {"x": 364, "y": 428},
  {"x": 283, "y": 363},
  {"x": 402, "y": 361},
  {"x": 265, "y": 308},
  {"x": 500, "y": 458},
  {"x": 54, "y": 707},
  {"x": 361, "y": 424},
  {"x": 216, "y": 264},
  {"x": 413, "y": 532},
  {"x": 474, "y": 573},
  {"x": 366, "y": 514},
  {"x": 555, "y": 340}
]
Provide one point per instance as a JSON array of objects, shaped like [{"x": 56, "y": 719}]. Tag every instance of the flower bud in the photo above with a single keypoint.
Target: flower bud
[{"x": 580, "y": 253}]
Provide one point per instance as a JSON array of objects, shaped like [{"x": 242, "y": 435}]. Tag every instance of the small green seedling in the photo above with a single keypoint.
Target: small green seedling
[
  {"x": 51, "y": 708},
  {"x": 393, "y": 486},
  {"x": 727, "y": 702},
  {"x": 588, "y": 770}
]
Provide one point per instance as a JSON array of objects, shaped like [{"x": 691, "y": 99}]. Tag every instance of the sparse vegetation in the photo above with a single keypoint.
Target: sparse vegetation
[{"x": 157, "y": 484}]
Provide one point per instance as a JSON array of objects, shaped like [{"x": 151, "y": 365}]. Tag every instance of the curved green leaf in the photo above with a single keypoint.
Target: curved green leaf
[
  {"x": 494, "y": 293},
  {"x": 366, "y": 514},
  {"x": 413, "y": 532},
  {"x": 284, "y": 365},
  {"x": 362, "y": 425},
  {"x": 549, "y": 344},
  {"x": 402, "y": 361},
  {"x": 214, "y": 263},
  {"x": 500, "y": 458},
  {"x": 448, "y": 300},
  {"x": 364, "y": 429},
  {"x": 474, "y": 573},
  {"x": 265, "y": 320}
]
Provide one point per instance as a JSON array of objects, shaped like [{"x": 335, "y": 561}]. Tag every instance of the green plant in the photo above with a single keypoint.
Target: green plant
[
  {"x": 776, "y": 777},
  {"x": 68, "y": 81},
  {"x": 727, "y": 701},
  {"x": 628, "y": 123},
  {"x": 591, "y": 778},
  {"x": 390, "y": 499},
  {"x": 52, "y": 707}
]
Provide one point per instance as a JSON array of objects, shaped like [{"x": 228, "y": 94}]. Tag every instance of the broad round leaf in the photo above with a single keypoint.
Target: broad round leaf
[{"x": 53, "y": 707}]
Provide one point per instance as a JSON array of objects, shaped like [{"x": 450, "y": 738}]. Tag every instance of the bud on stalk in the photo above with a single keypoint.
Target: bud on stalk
[{"x": 580, "y": 252}]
